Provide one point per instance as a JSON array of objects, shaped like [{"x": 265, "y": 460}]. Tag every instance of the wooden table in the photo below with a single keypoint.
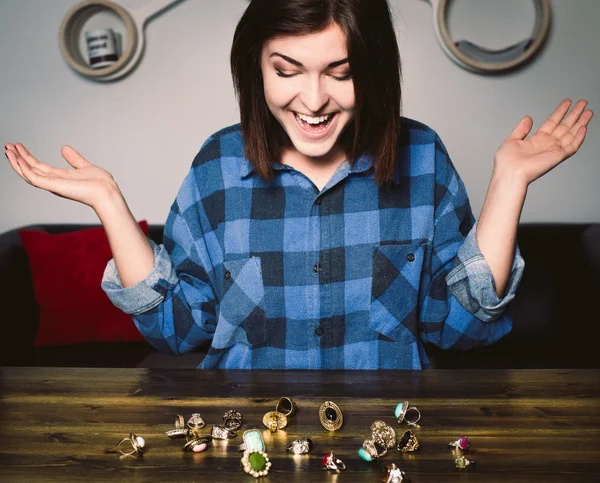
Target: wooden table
[{"x": 63, "y": 424}]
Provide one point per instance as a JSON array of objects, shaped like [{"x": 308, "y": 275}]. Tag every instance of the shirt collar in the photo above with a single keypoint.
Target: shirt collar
[{"x": 362, "y": 164}]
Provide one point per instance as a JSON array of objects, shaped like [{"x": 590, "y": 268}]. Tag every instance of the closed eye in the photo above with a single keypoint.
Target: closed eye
[{"x": 344, "y": 78}]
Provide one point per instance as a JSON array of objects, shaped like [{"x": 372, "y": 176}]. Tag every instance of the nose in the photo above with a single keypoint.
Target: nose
[{"x": 314, "y": 94}]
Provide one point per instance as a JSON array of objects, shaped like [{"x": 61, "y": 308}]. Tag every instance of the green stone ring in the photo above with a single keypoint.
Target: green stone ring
[{"x": 255, "y": 463}]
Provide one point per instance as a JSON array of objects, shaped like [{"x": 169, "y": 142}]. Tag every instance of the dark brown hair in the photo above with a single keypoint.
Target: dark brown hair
[{"x": 374, "y": 63}]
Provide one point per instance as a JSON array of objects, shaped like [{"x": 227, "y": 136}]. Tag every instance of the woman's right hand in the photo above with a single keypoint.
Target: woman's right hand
[{"x": 86, "y": 183}]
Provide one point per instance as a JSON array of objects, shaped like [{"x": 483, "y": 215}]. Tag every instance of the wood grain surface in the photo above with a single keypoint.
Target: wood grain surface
[{"x": 63, "y": 424}]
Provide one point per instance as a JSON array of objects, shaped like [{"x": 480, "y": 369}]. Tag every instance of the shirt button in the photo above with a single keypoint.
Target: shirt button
[
  {"x": 227, "y": 275},
  {"x": 318, "y": 202},
  {"x": 319, "y": 331},
  {"x": 410, "y": 257},
  {"x": 317, "y": 267}
]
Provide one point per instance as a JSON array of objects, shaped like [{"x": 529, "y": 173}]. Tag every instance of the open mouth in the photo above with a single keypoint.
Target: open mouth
[{"x": 314, "y": 125}]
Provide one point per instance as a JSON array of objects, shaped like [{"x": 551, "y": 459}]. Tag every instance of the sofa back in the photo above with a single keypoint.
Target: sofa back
[{"x": 554, "y": 312}]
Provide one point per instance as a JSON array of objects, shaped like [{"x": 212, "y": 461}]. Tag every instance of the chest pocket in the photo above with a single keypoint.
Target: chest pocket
[
  {"x": 242, "y": 316},
  {"x": 395, "y": 290}
]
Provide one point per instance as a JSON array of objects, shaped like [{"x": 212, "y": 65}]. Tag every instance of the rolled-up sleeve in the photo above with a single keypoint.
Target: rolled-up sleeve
[
  {"x": 472, "y": 283},
  {"x": 147, "y": 293}
]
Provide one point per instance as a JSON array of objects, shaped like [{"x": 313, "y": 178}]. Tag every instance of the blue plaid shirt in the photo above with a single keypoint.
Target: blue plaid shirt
[{"x": 282, "y": 276}]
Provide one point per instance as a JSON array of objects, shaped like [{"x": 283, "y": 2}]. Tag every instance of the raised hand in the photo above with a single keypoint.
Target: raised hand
[
  {"x": 556, "y": 140},
  {"x": 85, "y": 183}
]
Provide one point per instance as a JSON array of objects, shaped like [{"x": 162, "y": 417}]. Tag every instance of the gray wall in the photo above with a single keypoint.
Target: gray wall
[{"x": 146, "y": 128}]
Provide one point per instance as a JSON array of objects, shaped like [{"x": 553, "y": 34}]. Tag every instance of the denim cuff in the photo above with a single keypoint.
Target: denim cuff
[
  {"x": 144, "y": 295},
  {"x": 471, "y": 281}
]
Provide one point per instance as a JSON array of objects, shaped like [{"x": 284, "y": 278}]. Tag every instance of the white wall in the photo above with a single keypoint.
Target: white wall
[{"x": 146, "y": 128}]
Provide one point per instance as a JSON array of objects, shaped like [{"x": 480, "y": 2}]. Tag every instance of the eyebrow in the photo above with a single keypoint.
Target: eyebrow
[{"x": 299, "y": 64}]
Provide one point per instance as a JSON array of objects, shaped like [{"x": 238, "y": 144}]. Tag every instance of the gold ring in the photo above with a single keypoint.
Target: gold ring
[
  {"x": 408, "y": 443},
  {"x": 137, "y": 445},
  {"x": 383, "y": 434},
  {"x": 274, "y": 420},
  {"x": 287, "y": 407},
  {"x": 331, "y": 416}
]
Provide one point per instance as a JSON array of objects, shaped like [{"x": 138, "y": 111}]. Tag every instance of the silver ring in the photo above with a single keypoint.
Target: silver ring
[
  {"x": 393, "y": 474},
  {"x": 333, "y": 463},
  {"x": 232, "y": 419},
  {"x": 219, "y": 432},
  {"x": 300, "y": 446},
  {"x": 196, "y": 421}
]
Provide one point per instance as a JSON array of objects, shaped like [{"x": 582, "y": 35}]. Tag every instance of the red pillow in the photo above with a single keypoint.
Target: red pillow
[{"x": 67, "y": 272}]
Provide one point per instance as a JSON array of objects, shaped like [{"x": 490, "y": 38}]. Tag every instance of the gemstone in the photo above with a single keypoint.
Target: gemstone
[
  {"x": 141, "y": 441},
  {"x": 330, "y": 414},
  {"x": 257, "y": 461},
  {"x": 364, "y": 455},
  {"x": 461, "y": 462},
  {"x": 385, "y": 475},
  {"x": 326, "y": 459},
  {"x": 254, "y": 440},
  {"x": 399, "y": 409},
  {"x": 405, "y": 439},
  {"x": 463, "y": 442},
  {"x": 199, "y": 448}
]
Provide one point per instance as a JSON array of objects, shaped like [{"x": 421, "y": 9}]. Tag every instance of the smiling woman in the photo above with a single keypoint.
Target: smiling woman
[{"x": 324, "y": 231}]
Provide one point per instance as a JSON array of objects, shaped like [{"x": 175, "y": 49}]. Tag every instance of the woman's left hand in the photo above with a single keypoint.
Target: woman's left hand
[{"x": 556, "y": 140}]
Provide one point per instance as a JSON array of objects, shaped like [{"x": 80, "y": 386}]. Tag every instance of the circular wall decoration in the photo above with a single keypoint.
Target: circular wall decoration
[
  {"x": 478, "y": 59},
  {"x": 134, "y": 21}
]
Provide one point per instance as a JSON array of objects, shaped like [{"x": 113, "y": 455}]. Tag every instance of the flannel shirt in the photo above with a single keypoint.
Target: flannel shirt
[{"x": 281, "y": 275}]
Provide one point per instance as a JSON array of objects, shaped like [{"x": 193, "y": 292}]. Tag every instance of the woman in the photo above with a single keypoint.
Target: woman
[{"x": 325, "y": 231}]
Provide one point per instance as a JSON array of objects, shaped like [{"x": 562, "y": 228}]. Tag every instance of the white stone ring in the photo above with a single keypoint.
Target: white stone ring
[
  {"x": 196, "y": 422},
  {"x": 137, "y": 445}
]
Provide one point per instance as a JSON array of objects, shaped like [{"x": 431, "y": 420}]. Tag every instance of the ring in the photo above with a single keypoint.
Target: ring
[
  {"x": 371, "y": 451},
  {"x": 462, "y": 462},
  {"x": 401, "y": 411},
  {"x": 287, "y": 407},
  {"x": 198, "y": 444},
  {"x": 218, "y": 432},
  {"x": 253, "y": 439},
  {"x": 331, "y": 462},
  {"x": 232, "y": 419},
  {"x": 274, "y": 421},
  {"x": 331, "y": 416},
  {"x": 408, "y": 443},
  {"x": 137, "y": 445},
  {"x": 300, "y": 446},
  {"x": 392, "y": 474},
  {"x": 196, "y": 422},
  {"x": 255, "y": 463},
  {"x": 460, "y": 443},
  {"x": 383, "y": 434},
  {"x": 180, "y": 430}
]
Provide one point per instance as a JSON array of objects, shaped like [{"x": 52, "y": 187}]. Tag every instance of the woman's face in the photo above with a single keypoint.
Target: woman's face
[{"x": 309, "y": 89}]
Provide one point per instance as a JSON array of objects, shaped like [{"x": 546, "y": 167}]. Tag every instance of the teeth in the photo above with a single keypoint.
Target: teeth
[{"x": 313, "y": 120}]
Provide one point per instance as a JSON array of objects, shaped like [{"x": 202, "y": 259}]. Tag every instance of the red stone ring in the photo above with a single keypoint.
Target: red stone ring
[
  {"x": 460, "y": 443},
  {"x": 332, "y": 463}
]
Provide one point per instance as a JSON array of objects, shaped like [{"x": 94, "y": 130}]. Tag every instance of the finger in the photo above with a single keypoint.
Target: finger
[
  {"x": 12, "y": 159},
  {"x": 36, "y": 177},
  {"x": 584, "y": 120},
  {"x": 556, "y": 117},
  {"x": 570, "y": 120},
  {"x": 576, "y": 141},
  {"x": 26, "y": 155},
  {"x": 74, "y": 158},
  {"x": 522, "y": 129}
]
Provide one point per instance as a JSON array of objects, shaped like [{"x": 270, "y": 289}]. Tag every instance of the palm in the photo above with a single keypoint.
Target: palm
[
  {"x": 85, "y": 183},
  {"x": 556, "y": 140}
]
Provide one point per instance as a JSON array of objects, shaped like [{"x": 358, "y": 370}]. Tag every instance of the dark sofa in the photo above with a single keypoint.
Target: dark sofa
[{"x": 555, "y": 312}]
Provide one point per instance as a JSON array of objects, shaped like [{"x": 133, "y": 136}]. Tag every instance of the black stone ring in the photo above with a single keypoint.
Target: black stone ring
[{"x": 331, "y": 416}]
